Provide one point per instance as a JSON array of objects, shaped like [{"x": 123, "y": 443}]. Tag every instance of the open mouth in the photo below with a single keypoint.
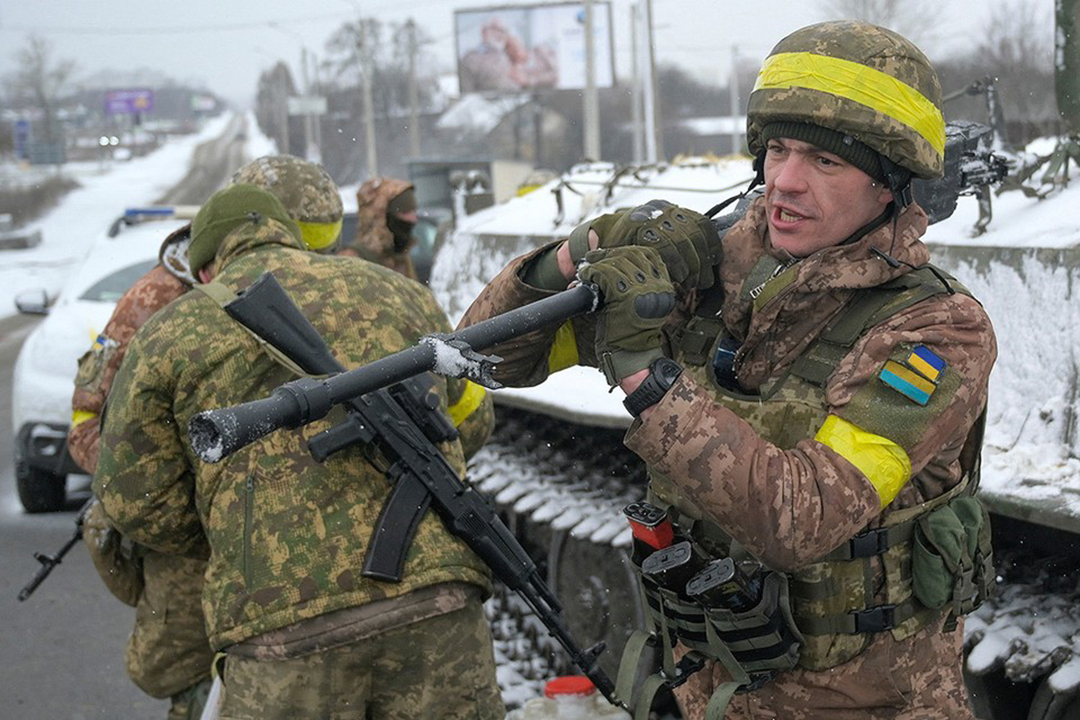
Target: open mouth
[{"x": 784, "y": 216}]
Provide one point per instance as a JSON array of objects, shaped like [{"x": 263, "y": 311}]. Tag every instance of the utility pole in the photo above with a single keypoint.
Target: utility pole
[
  {"x": 309, "y": 134},
  {"x": 733, "y": 91},
  {"x": 635, "y": 84},
  {"x": 283, "y": 89},
  {"x": 319, "y": 89},
  {"x": 652, "y": 150},
  {"x": 414, "y": 103},
  {"x": 654, "y": 89},
  {"x": 365, "y": 52},
  {"x": 591, "y": 109}
]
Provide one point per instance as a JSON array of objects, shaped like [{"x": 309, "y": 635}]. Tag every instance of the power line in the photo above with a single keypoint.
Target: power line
[{"x": 167, "y": 30}]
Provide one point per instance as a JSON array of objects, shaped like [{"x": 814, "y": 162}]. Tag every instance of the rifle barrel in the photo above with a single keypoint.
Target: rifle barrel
[{"x": 216, "y": 434}]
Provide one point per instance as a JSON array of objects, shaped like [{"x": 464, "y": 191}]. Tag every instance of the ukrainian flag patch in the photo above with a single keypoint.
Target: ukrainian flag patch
[
  {"x": 926, "y": 363},
  {"x": 916, "y": 378}
]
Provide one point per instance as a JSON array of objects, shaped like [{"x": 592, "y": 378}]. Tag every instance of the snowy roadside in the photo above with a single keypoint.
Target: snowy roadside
[{"x": 86, "y": 213}]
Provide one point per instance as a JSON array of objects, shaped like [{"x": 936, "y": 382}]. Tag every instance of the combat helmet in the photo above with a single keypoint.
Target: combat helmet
[
  {"x": 866, "y": 83},
  {"x": 305, "y": 189}
]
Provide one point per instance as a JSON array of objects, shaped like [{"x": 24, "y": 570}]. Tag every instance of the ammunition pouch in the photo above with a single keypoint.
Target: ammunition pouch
[
  {"x": 753, "y": 644},
  {"x": 952, "y": 561},
  {"x": 764, "y": 638}
]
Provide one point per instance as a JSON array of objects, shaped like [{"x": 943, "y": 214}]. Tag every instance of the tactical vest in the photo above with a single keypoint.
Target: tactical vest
[{"x": 831, "y": 601}]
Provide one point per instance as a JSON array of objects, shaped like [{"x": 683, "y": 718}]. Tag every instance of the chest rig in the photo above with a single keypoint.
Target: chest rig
[{"x": 834, "y": 606}]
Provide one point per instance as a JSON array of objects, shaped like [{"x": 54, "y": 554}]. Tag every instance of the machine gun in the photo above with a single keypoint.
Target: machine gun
[
  {"x": 404, "y": 422},
  {"x": 48, "y": 562}
]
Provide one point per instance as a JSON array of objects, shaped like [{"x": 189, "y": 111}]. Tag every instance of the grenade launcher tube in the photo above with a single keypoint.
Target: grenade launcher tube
[{"x": 216, "y": 434}]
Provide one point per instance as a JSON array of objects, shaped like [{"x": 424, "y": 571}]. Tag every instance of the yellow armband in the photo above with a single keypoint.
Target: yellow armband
[
  {"x": 466, "y": 405},
  {"x": 563, "y": 352},
  {"x": 884, "y": 463},
  {"x": 78, "y": 417}
]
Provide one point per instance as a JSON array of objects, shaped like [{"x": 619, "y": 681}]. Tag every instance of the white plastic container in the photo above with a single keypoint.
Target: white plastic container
[{"x": 571, "y": 697}]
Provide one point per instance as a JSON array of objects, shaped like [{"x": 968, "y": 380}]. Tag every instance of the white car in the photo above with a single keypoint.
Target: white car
[{"x": 45, "y": 370}]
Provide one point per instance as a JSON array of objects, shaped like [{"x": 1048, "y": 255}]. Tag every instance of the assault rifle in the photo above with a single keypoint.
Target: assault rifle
[
  {"x": 48, "y": 562},
  {"x": 404, "y": 422}
]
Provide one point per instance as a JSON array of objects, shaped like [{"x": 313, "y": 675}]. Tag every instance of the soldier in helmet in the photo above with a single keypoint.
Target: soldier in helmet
[
  {"x": 168, "y": 654},
  {"x": 301, "y": 632},
  {"x": 385, "y": 218},
  {"x": 809, "y": 396}
]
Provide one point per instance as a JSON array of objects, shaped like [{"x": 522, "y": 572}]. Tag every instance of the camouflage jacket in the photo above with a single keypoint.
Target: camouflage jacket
[
  {"x": 374, "y": 242},
  {"x": 97, "y": 368},
  {"x": 808, "y": 499},
  {"x": 286, "y": 535}
]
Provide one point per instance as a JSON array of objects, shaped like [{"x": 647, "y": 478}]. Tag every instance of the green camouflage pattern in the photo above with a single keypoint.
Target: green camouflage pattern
[
  {"x": 167, "y": 651},
  {"x": 227, "y": 210},
  {"x": 189, "y": 704},
  {"x": 868, "y": 45},
  {"x": 305, "y": 188},
  {"x": 114, "y": 560},
  {"x": 288, "y": 535},
  {"x": 442, "y": 667}
]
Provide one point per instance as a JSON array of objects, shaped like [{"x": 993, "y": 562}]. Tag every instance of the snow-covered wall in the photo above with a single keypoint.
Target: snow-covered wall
[
  {"x": 1023, "y": 270},
  {"x": 1032, "y": 441}
]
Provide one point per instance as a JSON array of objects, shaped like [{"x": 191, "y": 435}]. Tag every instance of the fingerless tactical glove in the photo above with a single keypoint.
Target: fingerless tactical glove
[
  {"x": 637, "y": 297},
  {"x": 686, "y": 241}
]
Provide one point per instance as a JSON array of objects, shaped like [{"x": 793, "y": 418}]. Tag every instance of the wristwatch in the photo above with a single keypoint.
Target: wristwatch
[{"x": 662, "y": 375}]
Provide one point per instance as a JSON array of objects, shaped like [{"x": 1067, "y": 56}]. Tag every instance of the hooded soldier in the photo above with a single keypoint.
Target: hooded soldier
[{"x": 385, "y": 218}]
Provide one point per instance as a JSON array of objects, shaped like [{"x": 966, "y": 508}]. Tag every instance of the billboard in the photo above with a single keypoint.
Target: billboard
[
  {"x": 536, "y": 47},
  {"x": 129, "y": 102}
]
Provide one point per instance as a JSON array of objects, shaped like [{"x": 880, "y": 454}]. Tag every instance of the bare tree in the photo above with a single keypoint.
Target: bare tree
[
  {"x": 1017, "y": 48},
  {"x": 41, "y": 79},
  {"x": 914, "y": 19}
]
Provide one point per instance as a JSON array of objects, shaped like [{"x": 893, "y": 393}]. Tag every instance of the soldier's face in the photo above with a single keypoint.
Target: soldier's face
[{"x": 814, "y": 199}]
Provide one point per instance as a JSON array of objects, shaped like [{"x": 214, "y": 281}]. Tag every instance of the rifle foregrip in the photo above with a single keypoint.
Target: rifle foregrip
[{"x": 216, "y": 434}]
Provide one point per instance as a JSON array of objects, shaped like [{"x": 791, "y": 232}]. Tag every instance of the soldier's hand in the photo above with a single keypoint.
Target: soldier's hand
[
  {"x": 637, "y": 298},
  {"x": 686, "y": 241}
]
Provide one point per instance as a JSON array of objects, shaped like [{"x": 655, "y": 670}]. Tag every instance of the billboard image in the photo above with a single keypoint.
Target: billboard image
[
  {"x": 525, "y": 48},
  {"x": 129, "y": 102}
]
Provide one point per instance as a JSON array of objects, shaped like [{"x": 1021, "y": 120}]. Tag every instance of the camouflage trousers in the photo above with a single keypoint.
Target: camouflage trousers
[
  {"x": 168, "y": 651},
  {"x": 188, "y": 704},
  {"x": 443, "y": 667},
  {"x": 918, "y": 678}
]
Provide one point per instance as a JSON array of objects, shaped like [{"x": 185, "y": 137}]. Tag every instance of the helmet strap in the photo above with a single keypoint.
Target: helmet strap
[
  {"x": 898, "y": 180},
  {"x": 759, "y": 179}
]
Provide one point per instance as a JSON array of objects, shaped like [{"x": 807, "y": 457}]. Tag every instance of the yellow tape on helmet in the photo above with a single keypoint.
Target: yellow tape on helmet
[
  {"x": 858, "y": 83},
  {"x": 563, "y": 352},
  {"x": 884, "y": 463},
  {"x": 466, "y": 405},
  {"x": 318, "y": 236}
]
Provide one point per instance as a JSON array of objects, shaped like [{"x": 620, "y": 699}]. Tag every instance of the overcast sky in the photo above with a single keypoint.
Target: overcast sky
[{"x": 225, "y": 44}]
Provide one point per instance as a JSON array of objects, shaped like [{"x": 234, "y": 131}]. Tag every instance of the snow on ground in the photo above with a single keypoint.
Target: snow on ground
[{"x": 85, "y": 214}]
